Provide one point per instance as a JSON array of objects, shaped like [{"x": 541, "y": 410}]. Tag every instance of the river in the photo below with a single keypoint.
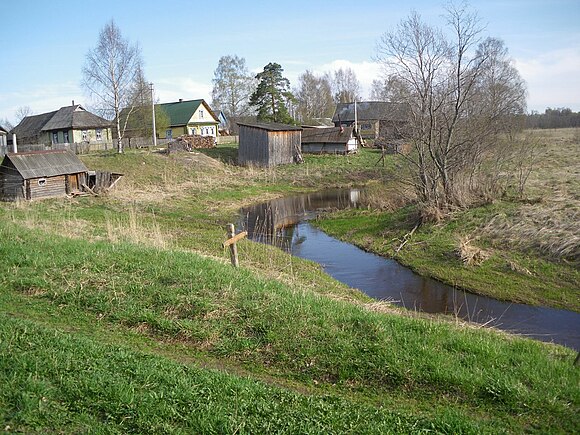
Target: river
[{"x": 284, "y": 223}]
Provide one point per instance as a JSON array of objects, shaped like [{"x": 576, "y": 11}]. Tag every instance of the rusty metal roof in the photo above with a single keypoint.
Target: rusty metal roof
[
  {"x": 327, "y": 135},
  {"x": 38, "y": 164}
]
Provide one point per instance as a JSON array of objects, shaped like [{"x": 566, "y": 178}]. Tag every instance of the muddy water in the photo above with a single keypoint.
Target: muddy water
[{"x": 284, "y": 223}]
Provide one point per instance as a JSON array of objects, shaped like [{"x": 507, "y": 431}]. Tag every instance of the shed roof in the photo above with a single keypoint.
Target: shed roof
[
  {"x": 74, "y": 117},
  {"x": 37, "y": 164},
  {"x": 371, "y": 110},
  {"x": 327, "y": 135},
  {"x": 273, "y": 126}
]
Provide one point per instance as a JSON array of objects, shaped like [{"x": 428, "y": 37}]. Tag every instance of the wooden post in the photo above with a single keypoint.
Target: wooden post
[{"x": 231, "y": 242}]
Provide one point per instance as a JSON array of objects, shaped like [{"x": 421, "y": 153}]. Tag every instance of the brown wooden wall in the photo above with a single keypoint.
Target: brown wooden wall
[
  {"x": 267, "y": 148},
  {"x": 52, "y": 186},
  {"x": 11, "y": 183}
]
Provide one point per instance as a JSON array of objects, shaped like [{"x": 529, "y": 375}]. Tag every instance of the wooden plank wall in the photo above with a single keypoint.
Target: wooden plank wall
[
  {"x": 52, "y": 186},
  {"x": 253, "y": 148},
  {"x": 282, "y": 146},
  {"x": 11, "y": 183}
]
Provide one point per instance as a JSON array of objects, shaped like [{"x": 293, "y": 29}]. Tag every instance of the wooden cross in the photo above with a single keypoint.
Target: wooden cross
[{"x": 231, "y": 242}]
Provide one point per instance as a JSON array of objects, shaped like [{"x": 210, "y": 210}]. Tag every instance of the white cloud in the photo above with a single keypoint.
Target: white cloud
[
  {"x": 174, "y": 88},
  {"x": 553, "y": 79},
  {"x": 41, "y": 99}
]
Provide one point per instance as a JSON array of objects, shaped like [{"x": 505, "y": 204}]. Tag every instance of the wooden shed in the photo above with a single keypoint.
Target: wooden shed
[
  {"x": 41, "y": 174},
  {"x": 269, "y": 144},
  {"x": 332, "y": 140}
]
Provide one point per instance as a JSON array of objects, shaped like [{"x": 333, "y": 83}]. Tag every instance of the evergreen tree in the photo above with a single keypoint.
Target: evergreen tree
[{"x": 272, "y": 96}]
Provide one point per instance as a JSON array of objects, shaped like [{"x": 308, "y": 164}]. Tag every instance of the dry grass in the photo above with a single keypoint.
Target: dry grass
[
  {"x": 470, "y": 254},
  {"x": 549, "y": 222}
]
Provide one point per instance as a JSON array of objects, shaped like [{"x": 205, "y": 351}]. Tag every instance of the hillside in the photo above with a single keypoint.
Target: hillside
[{"x": 121, "y": 314}]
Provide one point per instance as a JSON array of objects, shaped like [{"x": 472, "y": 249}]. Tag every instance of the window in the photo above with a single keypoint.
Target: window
[
  {"x": 85, "y": 135},
  {"x": 201, "y": 114},
  {"x": 55, "y": 137},
  {"x": 193, "y": 131},
  {"x": 99, "y": 134},
  {"x": 42, "y": 182},
  {"x": 65, "y": 136},
  {"x": 168, "y": 134}
]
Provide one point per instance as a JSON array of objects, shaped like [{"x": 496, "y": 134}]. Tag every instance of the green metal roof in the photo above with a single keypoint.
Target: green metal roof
[{"x": 180, "y": 112}]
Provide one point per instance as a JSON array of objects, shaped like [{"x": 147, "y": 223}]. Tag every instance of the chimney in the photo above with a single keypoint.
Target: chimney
[
  {"x": 181, "y": 100},
  {"x": 73, "y": 102}
]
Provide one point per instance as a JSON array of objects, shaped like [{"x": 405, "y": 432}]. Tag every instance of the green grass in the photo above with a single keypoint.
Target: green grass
[
  {"x": 121, "y": 314},
  {"x": 432, "y": 373},
  {"x": 507, "y": 274}
]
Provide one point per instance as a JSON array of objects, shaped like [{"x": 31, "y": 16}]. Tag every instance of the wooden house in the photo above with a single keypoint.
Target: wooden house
[
  {"x": 269, "y": 144},
  {"x": 377, "y": 120},
  {"x": 69, "y": 124},
  {"x": 192, "y": 117},
  {"x": 41, "y": 174},
  {"x": 329, "y": 140}
]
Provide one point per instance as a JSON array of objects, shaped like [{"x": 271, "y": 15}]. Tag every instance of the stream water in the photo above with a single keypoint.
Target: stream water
[{"x": 284, "y": 223}]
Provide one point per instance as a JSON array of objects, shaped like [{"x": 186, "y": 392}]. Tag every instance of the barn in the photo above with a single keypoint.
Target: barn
[
  {"x": 41, "y": 174},
  {"x": 269, "y": 144},
  {"x": 332, "y": 140}
]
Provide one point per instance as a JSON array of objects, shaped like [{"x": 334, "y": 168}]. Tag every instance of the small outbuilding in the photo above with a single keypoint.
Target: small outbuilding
[
  {"x": 269, "y": 144},
  {"x": 329, "y": 140},
  {"x": 41, "y": 174}
]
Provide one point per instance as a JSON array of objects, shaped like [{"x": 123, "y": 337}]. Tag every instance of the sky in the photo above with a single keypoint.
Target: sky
[{"x": 45, "y": 43}]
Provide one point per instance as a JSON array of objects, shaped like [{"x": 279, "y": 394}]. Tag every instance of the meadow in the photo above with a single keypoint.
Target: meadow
[{"x": 122, "y": 314}]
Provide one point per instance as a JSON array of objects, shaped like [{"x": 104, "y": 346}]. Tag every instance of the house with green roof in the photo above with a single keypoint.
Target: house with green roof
[{"x": 192, "y": 117}]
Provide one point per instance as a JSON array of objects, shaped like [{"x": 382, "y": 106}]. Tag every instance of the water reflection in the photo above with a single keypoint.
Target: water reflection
[{"x": 284, "y": 223}]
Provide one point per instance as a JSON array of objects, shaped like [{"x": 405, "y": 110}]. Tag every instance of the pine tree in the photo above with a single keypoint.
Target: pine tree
[{"x": 272, "y": 95}]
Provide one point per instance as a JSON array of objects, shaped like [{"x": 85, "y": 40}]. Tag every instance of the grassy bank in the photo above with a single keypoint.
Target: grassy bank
[
  {"x": 517, "y": 249},
  {"x": 335, "y": 366},
  {"x": 121, "y": 314}
]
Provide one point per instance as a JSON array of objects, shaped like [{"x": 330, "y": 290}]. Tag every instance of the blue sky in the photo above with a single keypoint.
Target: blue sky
[{"x": 44, "y": 43}]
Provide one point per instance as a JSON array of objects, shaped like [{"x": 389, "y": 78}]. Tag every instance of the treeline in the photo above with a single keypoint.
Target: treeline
[{"x": 561, "y": 117}]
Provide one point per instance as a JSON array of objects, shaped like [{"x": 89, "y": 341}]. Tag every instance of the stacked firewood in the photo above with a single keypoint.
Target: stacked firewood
[{"x": 189, "y": 143}]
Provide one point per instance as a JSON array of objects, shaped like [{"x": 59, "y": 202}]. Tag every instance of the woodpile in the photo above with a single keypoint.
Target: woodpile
[{"x": 189, "y": 143}]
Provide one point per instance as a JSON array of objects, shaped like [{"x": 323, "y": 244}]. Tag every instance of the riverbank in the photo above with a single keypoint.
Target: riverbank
[
  {"x": 520, "y": 250},
  {"x": 123, "y": 312}
]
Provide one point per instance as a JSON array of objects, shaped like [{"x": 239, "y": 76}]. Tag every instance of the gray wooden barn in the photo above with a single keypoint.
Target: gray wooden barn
[
  {"x": 41, "y": 174},
  {"x": 269, "y": 144},
  {"x": 332, "y": 140}
]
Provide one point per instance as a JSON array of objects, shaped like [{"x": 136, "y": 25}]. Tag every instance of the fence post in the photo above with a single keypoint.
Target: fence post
[{"x": 233, "y": 247}]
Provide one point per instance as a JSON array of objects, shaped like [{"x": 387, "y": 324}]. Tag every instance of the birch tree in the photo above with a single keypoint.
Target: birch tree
[
  {"x": 314, "y": 96},
  {"x": 232, "y": 86},
  {"x": 110, "y": 75}
]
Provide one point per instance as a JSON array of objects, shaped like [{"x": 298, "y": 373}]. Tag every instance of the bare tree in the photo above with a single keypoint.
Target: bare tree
[
  {"x": 6, "y": 124},
  {"x": 232, "y": 86},
  {"x": 110, "y": 75},
  {"x": 345, "y": 86},
  {"x": 140, "y": 122},
  {"x": 22, "y": 112},
  {"x": 392, "y": 89},
  {"x": 449, "y": 86},
  {"x": 314, "y": 97}
]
